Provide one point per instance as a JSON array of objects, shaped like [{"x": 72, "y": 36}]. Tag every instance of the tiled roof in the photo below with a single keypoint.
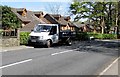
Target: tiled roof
[
  {"x": 38, "y": 12},
  {"x": 20, "y": 9},
  {"x": 30, "y": 17},
  {"x": 23, "y": 19},
  {"x": 79, "y": 25},
  {"x": 62, "y": 21},
  {"x": 56, "y": 18},
  {"x": 50, "y": 18},
  {"x": 29, "y": 26}
]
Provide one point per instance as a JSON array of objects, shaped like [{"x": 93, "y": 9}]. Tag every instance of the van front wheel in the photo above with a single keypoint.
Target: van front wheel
[{"x": 48, "y": 44}]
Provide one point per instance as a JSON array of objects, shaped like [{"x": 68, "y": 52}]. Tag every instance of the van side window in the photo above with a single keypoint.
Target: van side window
[{"x": 53, "y": 30}]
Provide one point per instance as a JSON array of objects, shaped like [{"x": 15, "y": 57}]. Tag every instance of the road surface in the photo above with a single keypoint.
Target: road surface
[{"x": 82, "y": 58}]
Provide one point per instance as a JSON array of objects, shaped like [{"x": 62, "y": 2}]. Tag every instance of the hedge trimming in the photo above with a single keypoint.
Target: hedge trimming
[{"x": 24, "y": 37}]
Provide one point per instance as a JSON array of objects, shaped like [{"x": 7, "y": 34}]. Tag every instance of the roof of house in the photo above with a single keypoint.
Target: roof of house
[
  {"x": 23, "y": 19},
  {"x": 38, "y": 12},
  {"x": 50, "y": 18},
  {"x": 20, "y": 9},
  {"x": 31, "y": 18},
  {"x": 79, "y": 25},
  {"x": 29, "y": 26},
  {"x": 56, "y": 18}
]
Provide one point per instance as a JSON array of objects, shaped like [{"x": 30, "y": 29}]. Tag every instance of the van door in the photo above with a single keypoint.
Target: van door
[{"x": 54, "y": 34}]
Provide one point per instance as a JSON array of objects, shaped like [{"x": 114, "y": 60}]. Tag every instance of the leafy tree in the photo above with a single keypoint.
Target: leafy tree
[
  {"x": 9, "y": 19},
  {"x": 104, "y": 14}
]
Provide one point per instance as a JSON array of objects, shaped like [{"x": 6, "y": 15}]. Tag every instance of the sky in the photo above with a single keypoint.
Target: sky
[{"x": 40, "y": 5}]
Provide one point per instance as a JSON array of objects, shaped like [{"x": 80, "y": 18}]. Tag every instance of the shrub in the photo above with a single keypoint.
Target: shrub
[
  {"x": 24, "y": 37},
  {"x": 102, "y": 36},
  {"x": 82, "y": 36},
  {"x": 86, "y": 36}
]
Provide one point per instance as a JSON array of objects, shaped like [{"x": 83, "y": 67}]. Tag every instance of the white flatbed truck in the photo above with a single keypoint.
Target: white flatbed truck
[{"x": 48, "y": 34}]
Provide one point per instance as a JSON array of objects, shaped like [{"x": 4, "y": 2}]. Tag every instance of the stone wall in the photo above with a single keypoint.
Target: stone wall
[{"x": 9, "y": 42}]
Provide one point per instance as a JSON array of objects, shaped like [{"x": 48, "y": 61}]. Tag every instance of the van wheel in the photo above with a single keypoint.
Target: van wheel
[{"x": 48, "y": 44}]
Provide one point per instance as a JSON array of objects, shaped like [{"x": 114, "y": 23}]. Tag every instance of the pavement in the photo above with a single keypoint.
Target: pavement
[
  {"x": 41, "y": 56},
  {"x": 5, "y": 49}
]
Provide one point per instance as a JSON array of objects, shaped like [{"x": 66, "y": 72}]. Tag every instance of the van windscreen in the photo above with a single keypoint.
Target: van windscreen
[{"x": 42, "y": 28}]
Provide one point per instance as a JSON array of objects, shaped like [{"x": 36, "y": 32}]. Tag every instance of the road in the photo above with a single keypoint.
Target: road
[{"x": 82, "y": 58}]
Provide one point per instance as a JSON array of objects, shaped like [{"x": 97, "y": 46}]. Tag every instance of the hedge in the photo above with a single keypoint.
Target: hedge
[
  {"x": 102, "y": 36},
  {"x": 24, "y": 37},
  {"x": 79, "y": 36},
  {"x": 82, "y": 36},
  {"x": 87, "y": 35}
]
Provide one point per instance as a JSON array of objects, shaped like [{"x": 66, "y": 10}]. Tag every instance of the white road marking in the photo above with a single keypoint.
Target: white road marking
[
  {"x": 5, "y": 50},
  {"x": 102, "y": 73},
  {"x": 63, "y": 52},
  {"x": 15, "y": 63},
  {"x": 11, "y": 49},
  {"x": 29, "y": 47}
]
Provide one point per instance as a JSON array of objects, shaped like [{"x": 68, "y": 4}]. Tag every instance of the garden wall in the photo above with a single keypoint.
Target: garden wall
[{"x": 9, "y": 42}]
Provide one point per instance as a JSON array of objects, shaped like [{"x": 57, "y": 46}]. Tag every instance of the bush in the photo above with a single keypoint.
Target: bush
[
  {"x": 82, "y": 36},
  {"x": 86, "y": 36},
  {"x": 102, "y": 36},
  {"x": 24, "y": 37}
]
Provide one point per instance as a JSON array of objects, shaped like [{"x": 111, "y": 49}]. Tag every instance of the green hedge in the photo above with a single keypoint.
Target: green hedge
[
  {"x": 82, "y": 36},
  {"x": 24, "y": 37},
  {"x": 87, "y": 35},
  {"x": 102, "y": 36}
]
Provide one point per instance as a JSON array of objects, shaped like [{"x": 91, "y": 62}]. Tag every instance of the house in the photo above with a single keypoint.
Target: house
[
  {"x": 84, "y": 27},
  {"x": 29, "y": 18},
  {"x": 64, "y": 22}
]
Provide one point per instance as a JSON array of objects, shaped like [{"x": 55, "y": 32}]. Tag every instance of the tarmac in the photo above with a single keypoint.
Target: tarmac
[{"x": 112, "y": 69}]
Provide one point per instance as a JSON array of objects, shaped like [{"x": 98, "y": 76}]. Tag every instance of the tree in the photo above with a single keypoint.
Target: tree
[
  {"x": 54, "y": 9},
  {"x": 104, "y": 14},
  {"x": 57, "y": 8},
  {"x": 9, "y": 19}
]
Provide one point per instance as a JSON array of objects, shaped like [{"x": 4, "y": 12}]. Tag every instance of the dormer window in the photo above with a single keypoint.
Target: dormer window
[
  {"x": 57, "y": 16},
  {"x": 67, "y": 18},
  {"x": 22, "y": 11},
  {"x": 39, "y": 14}
]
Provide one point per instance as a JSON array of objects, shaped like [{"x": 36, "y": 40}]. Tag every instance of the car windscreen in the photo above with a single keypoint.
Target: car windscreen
[{"x": 42, "y": 28}]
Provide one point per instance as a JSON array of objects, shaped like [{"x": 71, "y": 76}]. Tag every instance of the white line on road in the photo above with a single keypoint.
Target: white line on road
[
  {"x": 102, "y": 73},
  {"x": 63, "y": 52},
  {"x": 15, "y": 63}
]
